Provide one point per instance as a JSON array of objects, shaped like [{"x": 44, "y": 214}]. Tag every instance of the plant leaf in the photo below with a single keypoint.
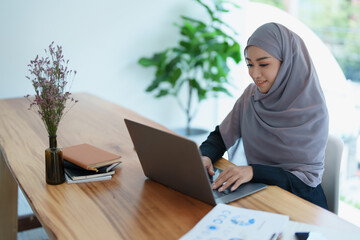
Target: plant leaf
[
  {"x": 155, "y": 83},
  {"x": 202, "y": 24},
  {"x": 201, "y": 92},
  {"x": 146, "y": 62},
  {"x": 187, "y": 29},
  {"x": 175, "y": 76},
  {"x": 221, "y": 89},
  {"x": 162, "y": 93},
  {"x": 234, "y": 52}
]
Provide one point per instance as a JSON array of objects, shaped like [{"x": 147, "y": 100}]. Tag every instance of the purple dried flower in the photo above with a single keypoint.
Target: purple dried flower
[{"x": 50, "y": 77}]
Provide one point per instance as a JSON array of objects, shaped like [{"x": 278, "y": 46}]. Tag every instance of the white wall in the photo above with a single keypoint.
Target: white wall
[{"x": 103, "y": 40}]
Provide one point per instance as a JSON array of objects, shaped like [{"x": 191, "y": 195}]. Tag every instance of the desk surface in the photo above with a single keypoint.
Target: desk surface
[{"x": 127, "y": 207}]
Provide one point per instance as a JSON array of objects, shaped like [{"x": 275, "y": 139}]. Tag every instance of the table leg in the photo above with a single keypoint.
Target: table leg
[{"x": 8, "y": 202}]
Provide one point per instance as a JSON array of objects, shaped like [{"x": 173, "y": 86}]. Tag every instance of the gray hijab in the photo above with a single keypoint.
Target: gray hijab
[{"x": 286, "y": 127}]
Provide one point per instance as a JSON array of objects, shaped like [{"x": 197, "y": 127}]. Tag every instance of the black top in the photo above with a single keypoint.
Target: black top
[{"x": 214, "y": 148}]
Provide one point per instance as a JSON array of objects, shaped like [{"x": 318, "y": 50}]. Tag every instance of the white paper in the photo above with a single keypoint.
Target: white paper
[
  {"x": 319, "y": 232},
  {"x": 234, "y": 223},
  {"x": 94, "y": 179}
]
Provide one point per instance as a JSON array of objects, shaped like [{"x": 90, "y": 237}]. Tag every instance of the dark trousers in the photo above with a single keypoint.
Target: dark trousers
[{"x": 288, "y": 181}]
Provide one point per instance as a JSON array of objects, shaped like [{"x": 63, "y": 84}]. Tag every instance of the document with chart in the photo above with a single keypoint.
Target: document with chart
[{"x": 229, "y": 222}]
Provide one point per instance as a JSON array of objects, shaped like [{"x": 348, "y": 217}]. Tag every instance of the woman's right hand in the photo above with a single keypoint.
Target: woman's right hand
[{"x": 208, "y": 165}]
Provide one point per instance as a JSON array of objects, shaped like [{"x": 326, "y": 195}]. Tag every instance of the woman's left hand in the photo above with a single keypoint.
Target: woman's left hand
[{"x": 236, "y": 175}]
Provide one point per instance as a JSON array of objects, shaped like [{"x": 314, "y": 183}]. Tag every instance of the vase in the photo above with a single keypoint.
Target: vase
[
  {"x": 198, "y": 135},
  {"x": 54, "y": 163}
]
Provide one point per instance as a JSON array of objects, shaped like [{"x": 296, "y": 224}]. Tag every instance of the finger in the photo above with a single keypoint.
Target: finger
[
  {"x": 208, "y": 165},
  {"x": 219, "y": 181},
  {"x": 228, "y": 183},
  {"x": 222, "y": 179},
  {"x": 211, "y": 170},
  {"x": 236, "y": 185}
]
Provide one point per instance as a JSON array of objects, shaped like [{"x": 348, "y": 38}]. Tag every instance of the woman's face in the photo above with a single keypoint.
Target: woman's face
[{"x": 263, "y": 68}]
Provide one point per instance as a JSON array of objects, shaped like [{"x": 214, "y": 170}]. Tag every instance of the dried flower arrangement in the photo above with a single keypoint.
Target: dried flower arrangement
[{"x": 50, "y": 77}]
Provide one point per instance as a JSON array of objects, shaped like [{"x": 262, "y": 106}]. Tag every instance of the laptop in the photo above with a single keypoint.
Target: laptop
[{"x": 175, "y": 162}]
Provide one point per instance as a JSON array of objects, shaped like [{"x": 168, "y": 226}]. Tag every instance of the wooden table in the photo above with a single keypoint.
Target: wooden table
[{"x": 127, "y": 207}]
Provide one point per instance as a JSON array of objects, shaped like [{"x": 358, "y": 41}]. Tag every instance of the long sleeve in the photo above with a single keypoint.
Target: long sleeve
[
  {"x": 213, "y": 147},
  {"x": 273, "y": 176},
  {"x": 288, "y": 181}
]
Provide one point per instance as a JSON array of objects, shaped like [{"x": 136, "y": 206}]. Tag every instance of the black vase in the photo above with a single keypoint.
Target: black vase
[{"x": 54, "y": 163}]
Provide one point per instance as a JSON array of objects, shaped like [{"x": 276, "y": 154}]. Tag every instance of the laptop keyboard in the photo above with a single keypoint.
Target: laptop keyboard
[{"x": 218, "y": 194}]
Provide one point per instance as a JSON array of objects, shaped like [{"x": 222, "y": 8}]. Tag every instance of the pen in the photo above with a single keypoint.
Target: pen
[
  {"x": 273, "y": 236},
  {"x": 276, "y": 236}
]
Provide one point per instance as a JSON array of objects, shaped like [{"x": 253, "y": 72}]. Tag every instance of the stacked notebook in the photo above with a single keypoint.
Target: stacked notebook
[{"x": 87, "y": 163}]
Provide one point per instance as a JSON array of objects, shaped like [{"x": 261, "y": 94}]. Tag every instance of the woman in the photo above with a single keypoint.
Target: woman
[{"x": 281, "y": 118}]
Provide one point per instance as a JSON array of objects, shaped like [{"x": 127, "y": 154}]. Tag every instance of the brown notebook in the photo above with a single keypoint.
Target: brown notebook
[{"x": 89, "y": 157}]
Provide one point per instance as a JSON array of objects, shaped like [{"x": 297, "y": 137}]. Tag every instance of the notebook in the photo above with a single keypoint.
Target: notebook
[{"x": 175, "y": 162}]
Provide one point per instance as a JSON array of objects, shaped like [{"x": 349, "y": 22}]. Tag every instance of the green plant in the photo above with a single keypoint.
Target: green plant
[{"x": 198, "y": 63}]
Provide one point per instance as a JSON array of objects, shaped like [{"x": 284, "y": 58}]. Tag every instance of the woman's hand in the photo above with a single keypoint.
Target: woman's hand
[
  {"x": 236, "y": 175},
  {"x": 208, "y": 165}
]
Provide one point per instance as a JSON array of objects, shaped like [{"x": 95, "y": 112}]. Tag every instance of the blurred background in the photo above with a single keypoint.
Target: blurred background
[{"x": 104, "y": 41}]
